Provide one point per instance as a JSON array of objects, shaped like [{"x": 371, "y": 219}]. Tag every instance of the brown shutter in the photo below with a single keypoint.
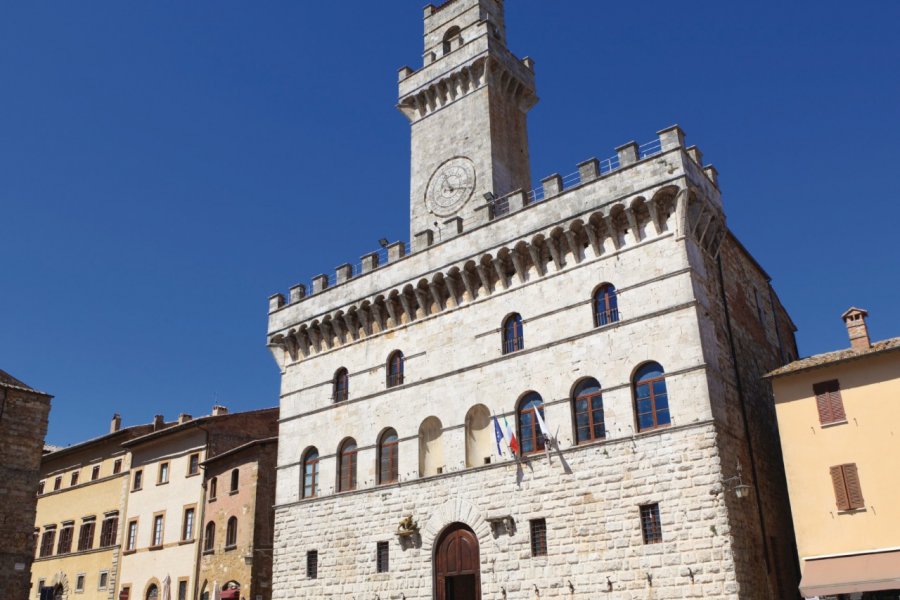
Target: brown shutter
[
  {"x": 840, "y": 489},
  {"x": 823, "y": 403},
  {"x": 836, "y": 402},
  {"x": 854, "y": 490}
]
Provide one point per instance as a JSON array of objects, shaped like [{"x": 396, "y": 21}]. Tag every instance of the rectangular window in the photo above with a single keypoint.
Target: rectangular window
[
  {"x": 79, "y": 583},
  {"x": 382, "y": 557},
  {"x": 538, "y": 537},
  {"x": 163, "y": 475},
  {"x": 829, "y": 402},
  {"x": 117, "y": 466},
  {"x": 235, "y": 474},
  {"x": 47, "y": 542},
  {"x": 103, "y": 580},
  {"x": 108, "y": 531},
  {"x": 95, "y": 473},
  {"x": 86, "y": 536},
  {"x": 40, "y": 488},
  {"x": 57, "y": 483},
  {"x": 138, "y": 480},
  {"x": 182, "y": 589},
  {"x": 157, "y": 530},
  {"x": 651, "y": 527},
  {"x": 312, "y": 564},
  {"x": 187, "y": 529},
  {"x": 131, "y": 542},
  {"x": 847, "y": 490},
  {"x": 74, "y": 479},
  {"x": 194, "y": 464},
  {"x": 65, "y": 539}
]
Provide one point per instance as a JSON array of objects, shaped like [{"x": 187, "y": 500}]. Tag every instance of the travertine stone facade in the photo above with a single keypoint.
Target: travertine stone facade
[
  {"x": 23, "y": 424},
  {"x": 649, "y": 221},
  {"x": 242, "y": 569},
  {"x": 93, "y": 484}
]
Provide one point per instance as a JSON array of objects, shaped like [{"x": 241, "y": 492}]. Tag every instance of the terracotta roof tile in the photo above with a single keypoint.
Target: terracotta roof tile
[{"x": 821, "y": 360}]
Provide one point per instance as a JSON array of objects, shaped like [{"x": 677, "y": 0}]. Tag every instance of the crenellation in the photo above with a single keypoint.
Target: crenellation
[
  {"x": 588, "y": 170},
  {"x": 297, "y": 293},
  {"x": 671, "y": 137},
  {"x": 343, "y": 273},
  {"x": 628, "y": 153},
  {"x": 694, "y": 153},
  {"x": 552, "y": 185},
  {"x": 276, "y": 301},
  {"x": 319, "y": 284}
]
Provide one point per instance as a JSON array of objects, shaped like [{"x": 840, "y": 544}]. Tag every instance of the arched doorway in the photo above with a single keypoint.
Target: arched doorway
[{"x": 457, "y": 565}]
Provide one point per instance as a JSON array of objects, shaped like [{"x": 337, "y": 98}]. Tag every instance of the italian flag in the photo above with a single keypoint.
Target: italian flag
[{"x": 510, "y": 436}]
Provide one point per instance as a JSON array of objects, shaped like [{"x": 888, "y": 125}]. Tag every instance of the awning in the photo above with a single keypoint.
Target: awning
[
  {"x": 232, "y": 594},
  {"x": 849, "y": 574}
]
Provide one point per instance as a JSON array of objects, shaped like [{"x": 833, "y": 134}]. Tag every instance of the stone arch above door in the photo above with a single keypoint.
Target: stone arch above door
[{"x": 456, "y": 510}]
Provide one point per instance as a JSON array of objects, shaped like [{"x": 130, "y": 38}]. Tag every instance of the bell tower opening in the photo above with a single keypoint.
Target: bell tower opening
[{"x": 467, "y": 108}]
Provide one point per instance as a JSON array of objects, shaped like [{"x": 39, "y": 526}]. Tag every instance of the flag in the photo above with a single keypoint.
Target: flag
[
  {"x": 498, "y": 434},
  {"x": 511, "y": 440},
  {"x": 541, "y": 424}
]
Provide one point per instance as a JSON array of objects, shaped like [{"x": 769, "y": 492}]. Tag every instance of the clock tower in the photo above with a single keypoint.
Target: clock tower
[{"x": 467, "y": 107}]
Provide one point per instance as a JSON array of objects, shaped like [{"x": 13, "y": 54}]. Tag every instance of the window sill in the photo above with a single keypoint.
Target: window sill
[
  {"x": 229, "y": 548},
  {"x": 136, "y": 489},
  {"x": 162, "y": 482},
  {"x": 833, "y": 424},
  {"x": 193, "y": 474},
  {"x": 186, "y": 542},
  {"x": 213, "y": 499},
  {"x": 154, "y": 548},
  {"x": 232, "y": 492},
  {"x": 208, "y": 552},
  {"x": 127, "y": 552},
  {"x": 852, "y": 511}
]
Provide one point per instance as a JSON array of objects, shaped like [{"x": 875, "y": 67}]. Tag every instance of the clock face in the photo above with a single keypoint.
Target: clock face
[{"x": 451, "y": 186}]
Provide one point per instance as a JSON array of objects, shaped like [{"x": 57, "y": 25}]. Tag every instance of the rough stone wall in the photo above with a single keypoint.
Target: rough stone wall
[
  {"x": 751, "y": 334},
  {"x": 592, "y": 516},
  {"x": 23, "y": 425},
  {"x": 264, "y": 523}
]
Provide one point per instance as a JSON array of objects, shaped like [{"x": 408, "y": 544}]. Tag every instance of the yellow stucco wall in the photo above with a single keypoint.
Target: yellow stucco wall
[
  {"x": 73, "y": 503},
  {"x": 870, "y": 389}
]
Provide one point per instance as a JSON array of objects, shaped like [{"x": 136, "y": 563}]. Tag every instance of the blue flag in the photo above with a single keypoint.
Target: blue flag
[{"x": 498, "y": 433}]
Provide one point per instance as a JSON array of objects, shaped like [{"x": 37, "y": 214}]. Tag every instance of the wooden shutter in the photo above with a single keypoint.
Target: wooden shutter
[
  {"x": 840, "y": 489},
  {"x": 829, "y": 402},
  {"x": 854, "y": 490}
]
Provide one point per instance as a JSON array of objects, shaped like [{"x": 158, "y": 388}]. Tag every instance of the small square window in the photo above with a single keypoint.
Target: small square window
[
  {"x": 95, "y": 473},
  {"x": 312, "y": 564},
  {"x": 651, "y": 528},
  {"x": 79, "y": 583},
  {"x": 382, "y": 557},
  {"x": 538, "y": 537}
]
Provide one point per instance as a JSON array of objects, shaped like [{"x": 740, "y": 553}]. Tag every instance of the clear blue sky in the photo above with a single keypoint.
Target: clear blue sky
[{"x": 166, "y": 166}]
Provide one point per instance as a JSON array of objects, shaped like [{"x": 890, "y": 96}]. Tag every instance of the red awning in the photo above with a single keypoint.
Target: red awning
[
  {"x": 851, "y": 574},
  {"x": 232, "y": 594}
]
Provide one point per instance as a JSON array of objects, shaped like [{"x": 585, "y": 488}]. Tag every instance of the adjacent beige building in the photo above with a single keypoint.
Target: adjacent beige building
[
  {"x": 162, "y": 532},
  {"x": 836, "y": 414},
  {"x": 81, "y": 500}
]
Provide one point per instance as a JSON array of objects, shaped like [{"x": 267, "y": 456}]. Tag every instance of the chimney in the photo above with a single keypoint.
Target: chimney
[
  {"x": 159, "y": 422},
  {"x": 855, "y": 320},
  {"x": 116, "y": 423},
  {"x": 184, "y": 418},
  {"x": 219, "y": 410}
]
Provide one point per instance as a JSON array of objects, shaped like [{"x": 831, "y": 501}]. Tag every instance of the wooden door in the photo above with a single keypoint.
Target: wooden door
[{"x": 457, "y": 566}]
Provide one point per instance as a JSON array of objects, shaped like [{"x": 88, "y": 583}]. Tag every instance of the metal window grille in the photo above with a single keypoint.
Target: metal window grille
[
  {"x": 651, "y": 528},
  {"x": 383, "y": 557},
  {"x": 312, "y": 564},
  {"x": 539, "y": 537}
]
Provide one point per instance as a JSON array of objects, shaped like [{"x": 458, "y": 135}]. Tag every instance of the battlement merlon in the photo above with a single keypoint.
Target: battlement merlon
[{"x": 639, "y": 171}]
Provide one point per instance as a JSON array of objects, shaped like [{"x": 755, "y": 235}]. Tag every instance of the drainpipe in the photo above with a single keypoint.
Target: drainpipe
[
  {"x": 743, "y": 404},
  {"x": 201, "y": 519}
]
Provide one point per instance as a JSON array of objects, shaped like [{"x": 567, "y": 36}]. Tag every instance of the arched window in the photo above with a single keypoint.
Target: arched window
[
  {"x": 209, "y": 537},
  {"x": 431, "y": 447},
  {"x": 395, "y": 369},
  {"x": 231, "y": 533},
  {"x": 513, "y": 336},
  {"x": 606, "y": 306},
  {"x": 388, "y": 469},
  {"x": 650, "y": 397},
  {"x": 530, "y": 437},
  {"x": 453, "y": 34},
  {"x": 588, "y": 406},
  {"x": 347, "y": 466},
  {"x": 235, "y": 476},
  {"x": 152, "y": 592},
  {"x": 480, "y": 440},
  {"x": 340, "y": 387},
  {"x": 310, "y": 473}
]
